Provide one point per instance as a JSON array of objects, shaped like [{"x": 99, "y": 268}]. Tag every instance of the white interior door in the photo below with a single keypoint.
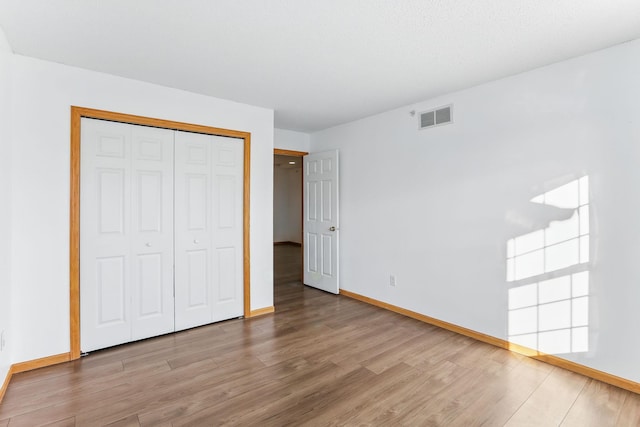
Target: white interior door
[
  {"x": 208, "y": 229},
  {"x": 126, "y": 237},
  {"x": 320, "y": 228}
]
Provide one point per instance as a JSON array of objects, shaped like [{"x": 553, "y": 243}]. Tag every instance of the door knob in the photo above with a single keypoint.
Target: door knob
[{"x": 332, "y": 228}]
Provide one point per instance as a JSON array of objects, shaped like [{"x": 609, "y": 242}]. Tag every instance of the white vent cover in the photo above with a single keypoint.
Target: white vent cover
[{"x": 439, "y": 116}]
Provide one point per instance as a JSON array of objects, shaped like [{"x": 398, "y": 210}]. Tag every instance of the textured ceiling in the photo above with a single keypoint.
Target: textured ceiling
[{"x": 316, "y": 63}]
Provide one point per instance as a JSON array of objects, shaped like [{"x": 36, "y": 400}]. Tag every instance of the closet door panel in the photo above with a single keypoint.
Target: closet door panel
[
  {"x": 126, "y": 233},
  {"x": 208, "y": 218},
  {"x": 105, "y": 233},
  {"x": 193, "y": 203},
  {"x": 111, "y": 291},
  {"x": 228, "y": 160},
  {"x": 152, "y": 232},
  {"x": 197, "y": 268}
]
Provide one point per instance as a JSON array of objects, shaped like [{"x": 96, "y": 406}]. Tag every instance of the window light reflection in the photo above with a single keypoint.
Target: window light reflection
[{"x": 547, "y": 269}]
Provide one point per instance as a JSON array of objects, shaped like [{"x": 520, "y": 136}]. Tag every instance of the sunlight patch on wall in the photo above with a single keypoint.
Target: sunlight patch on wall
[{"x": 548, "y": 272}]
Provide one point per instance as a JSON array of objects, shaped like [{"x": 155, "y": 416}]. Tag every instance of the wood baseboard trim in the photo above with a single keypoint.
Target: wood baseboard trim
[
  {"x": 40, "y": 363},
  {"x": 30, "y": 365},
  {"x": 5, "y": 384},
  {"x": 262, "y": 311},
  {"x": 595, "y": 374}
]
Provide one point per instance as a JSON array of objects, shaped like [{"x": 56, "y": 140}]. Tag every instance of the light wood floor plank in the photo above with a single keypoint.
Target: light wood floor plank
[
  {"x": 629, "y": 413},
  {"x": 67, "y": 422},
  {"x": 598, "y": 405},
  {"x": 539, "y": 409},
  {"x": 502, "y": 395}
]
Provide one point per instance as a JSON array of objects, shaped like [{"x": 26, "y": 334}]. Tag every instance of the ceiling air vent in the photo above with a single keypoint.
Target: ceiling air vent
[{"x": 439, "y": 116}]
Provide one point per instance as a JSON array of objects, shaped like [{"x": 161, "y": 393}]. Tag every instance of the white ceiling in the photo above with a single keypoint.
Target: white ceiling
[{"x": 316, "y": 63}]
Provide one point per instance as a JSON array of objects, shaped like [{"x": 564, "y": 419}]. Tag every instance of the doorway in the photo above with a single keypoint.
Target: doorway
[{"x": 287, "y": 219}]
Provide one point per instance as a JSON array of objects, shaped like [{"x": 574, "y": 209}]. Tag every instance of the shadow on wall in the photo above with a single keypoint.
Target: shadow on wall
[{"x": 548, "y": 272}]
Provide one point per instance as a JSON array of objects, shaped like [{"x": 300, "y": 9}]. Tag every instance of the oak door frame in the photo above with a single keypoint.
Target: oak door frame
[{"x": 77, "y": 113}]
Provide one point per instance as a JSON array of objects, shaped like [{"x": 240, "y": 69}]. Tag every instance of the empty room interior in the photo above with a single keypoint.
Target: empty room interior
[{"x": 320, "y": 213}]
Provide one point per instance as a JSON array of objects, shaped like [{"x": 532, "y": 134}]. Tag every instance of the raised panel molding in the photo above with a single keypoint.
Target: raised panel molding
[
  {"x": 226, "y": 201},
  {"x": 149, "y": 197},
  {"x": 110, "y": 146},
  {"x": 226, "y": 279},
  {"x": 110, "y": 211},
  {"x": 196, "y": 190},
  {"x": 149, "y": 278},
  {"x": 111, "y": 281},
  {"x": 198, "y": 295},
  {"x": 149, "y": 150}
]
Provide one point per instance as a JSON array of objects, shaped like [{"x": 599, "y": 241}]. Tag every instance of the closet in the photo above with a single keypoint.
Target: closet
[{"x": 160, "y": 231}]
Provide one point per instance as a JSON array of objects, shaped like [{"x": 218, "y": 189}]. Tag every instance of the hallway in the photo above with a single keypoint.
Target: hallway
[{"x": 287, "y": 263}]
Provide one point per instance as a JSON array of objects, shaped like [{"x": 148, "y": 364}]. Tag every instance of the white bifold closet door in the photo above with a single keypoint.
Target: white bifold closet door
[
  {"x": 151, "y": 198},
  {"x": 208, "y": 229},
  {"x": 126, "y": 233}
]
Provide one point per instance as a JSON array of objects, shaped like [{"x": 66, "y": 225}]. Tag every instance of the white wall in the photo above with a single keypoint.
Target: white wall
[
  {"x": 291, "y": 140},
  {"x": 5, "y": 198},
  {"x": 436, "y": 207},
  {"x": 287, "y": 205},
  {"x": 42, "y": 95}
]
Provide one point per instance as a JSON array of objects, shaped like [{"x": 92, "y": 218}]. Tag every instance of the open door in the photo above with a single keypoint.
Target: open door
[{"x": 320, "y": 221}]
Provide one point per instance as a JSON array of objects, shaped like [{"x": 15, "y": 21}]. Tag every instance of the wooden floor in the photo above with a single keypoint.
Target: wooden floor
[{"x": 320, "y": 360}]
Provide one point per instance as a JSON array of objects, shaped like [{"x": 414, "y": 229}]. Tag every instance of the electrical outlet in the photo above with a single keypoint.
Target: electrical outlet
[
  {"x": 392, "y": 280},
  {"x": 1, "y": 340}
]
